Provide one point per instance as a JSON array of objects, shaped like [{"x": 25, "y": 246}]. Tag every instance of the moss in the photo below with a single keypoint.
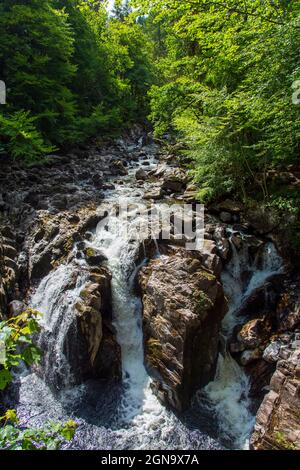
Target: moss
[
  {"x": 68, "y": 245},
  {"x": 84, "y": 294},
  {"x": 282, "y": 441},
  {"x": 89, "y": 252},
  {"x": 203, "y": 302},
  {"x": 154, "y": 349},
  {"x": 207, "y": 275}
]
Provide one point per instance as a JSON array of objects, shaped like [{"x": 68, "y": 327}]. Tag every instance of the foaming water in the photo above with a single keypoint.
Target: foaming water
[
  {"x": 228, "y": 394},
  {"x": 108, "y": 415},
  {"x": 55, "y": 298},
  {"x": 128, "y": 415},
  {"x": 138, "y": 405}
]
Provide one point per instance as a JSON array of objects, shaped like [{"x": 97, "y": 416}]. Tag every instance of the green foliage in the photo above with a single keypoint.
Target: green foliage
[
  {"x": 71, "y": 72},
  {"x": 20, "y": 137},
  {"x": 15, "y": 339},
  {"x": 283, "y": 442},
  {"x": 16, "y": 346},
  {"x": 50, "y": 437},
  {"x": 226, "y": 76},
  {"x": 130, "y": 59},
  {"x": 37, "y": 45}
]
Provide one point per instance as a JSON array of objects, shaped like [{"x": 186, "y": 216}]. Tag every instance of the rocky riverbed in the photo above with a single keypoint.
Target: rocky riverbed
[{"x": 93, "y": 290}]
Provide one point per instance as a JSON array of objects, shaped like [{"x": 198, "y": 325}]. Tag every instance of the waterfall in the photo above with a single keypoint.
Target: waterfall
[
  {"x": 128, "y": 415},
  {"x": 109, "y": 416},
  {"x": 55, "y": 298},
  {"x": 228, "y": 394},
  {"x": 111, "y": 239}
]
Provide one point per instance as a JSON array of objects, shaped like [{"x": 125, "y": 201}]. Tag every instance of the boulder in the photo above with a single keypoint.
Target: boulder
[
  {"x": 231, "y": 206},
  {"x": 118, "y": 168},
  {"x": 93, "y": 311},
  {"x": 272, "y": 351},
  {"x": 262, "y": 220},
  {"x": 108, "y": 186},
  {"x": 173, "y": 184},
  {"x": 54, "y": 237},
  {"x": 225, "y": 217},
  {"x": 209, "y": 257},
  {"x": 223, "y": 244},
  {"x": 155, "y": 194},
  {"x": 278, "y": 420},
  {"x": 255, "y": 333},
  {"x": 141, "y": 174},
  {"x": 93, "y": 256},
  {"x": 15, "y": 308},
  {"x": 183, "y": 306}
]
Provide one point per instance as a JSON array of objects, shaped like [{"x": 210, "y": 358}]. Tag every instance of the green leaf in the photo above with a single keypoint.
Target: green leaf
[{"x": 5, "y": 378}]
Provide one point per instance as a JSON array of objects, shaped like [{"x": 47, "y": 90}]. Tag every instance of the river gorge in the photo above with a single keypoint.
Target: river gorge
[{"x": 146, "y": 345}]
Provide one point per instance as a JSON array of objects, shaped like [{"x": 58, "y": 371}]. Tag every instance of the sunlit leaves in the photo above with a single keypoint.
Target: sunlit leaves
[
  {"x": 16, "y": 338},
  {"x": 226, "y": 87},
  {"x": 50, "y": 437}
]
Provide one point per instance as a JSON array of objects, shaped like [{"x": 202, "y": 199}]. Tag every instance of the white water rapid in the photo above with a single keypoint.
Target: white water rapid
[
  {"x": 109, "y": 416},
  {"x": 228, "y": 394},
  {"x": 129, "y": 416}
]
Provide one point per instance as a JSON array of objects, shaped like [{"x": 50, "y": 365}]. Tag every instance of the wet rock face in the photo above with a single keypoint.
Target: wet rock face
[
  {"x": 93, "y": 311},
  {"x": 277, "y": 420},
  {"x": 288, "y": 308},
  {"x": 183, "y": 306},
  {"x": 53, "y": 237},
  {"x": 9, "y": 269},
  {"x": 52, "y": 208}
]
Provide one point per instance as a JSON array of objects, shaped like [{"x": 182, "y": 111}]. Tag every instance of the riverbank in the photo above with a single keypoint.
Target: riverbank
[{"x": 59, "y": 260}]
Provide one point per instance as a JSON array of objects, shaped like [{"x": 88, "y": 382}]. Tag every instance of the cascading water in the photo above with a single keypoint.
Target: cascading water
[
  {"x": 129, "y": 416},
  {"x": 55, "y": 298},
  {"x": 109, "y": 416},
  {"x": 111, "y": 239},
  {"x": 228, "y": 394}
]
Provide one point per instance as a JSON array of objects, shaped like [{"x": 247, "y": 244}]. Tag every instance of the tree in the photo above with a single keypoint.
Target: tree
[
  {"x": 37, "y": 45},
  {"x": 226, "y": 79}
]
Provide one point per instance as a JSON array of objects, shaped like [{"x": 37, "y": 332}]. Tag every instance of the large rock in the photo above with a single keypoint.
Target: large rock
[
  {"x": 118, "y": 168},
  {"x": 255, "y": 333},
  {"x": 53, "y": 239},
  {"x": 154, "y": 193},
  {"x": 173, "y": 184},
  {"x": 141, "y": 174},
  {"x": 94, "y": 318},
  {"x": 9, "y": 272},
  {"x": 288, "y": 308},
  {"x": 262, "y": 220},
  {"x": 183, "y": 306},
  {"x": 278, "y": 420},
  {"x": 93, "y": 256},
  {"x": 209, "y": 257},
  {"x": 223, "y": 244}
]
